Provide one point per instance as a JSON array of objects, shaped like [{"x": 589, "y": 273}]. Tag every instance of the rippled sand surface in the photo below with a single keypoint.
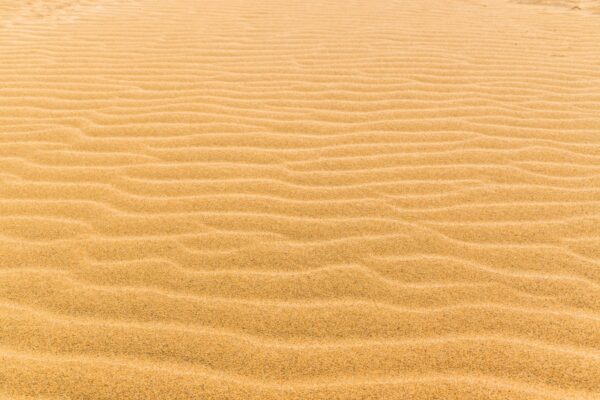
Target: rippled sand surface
[{"x": 303, "y": 200}]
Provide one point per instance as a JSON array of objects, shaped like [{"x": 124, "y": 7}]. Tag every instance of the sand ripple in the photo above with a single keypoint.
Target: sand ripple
[{"x": 299, "y": 200}]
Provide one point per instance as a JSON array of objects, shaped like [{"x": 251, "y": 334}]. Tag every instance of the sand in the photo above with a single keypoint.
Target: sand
[{"x": 329, "y": 199}]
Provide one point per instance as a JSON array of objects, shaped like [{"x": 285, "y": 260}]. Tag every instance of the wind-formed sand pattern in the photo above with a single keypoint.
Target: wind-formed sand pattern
[{"x": 303, "y": 200}]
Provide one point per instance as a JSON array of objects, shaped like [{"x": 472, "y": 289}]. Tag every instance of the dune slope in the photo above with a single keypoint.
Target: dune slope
[{"x": 299, "y": 199}]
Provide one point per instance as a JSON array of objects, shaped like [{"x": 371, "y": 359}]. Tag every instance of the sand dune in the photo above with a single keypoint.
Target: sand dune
[{"x": 299, "y": 200}]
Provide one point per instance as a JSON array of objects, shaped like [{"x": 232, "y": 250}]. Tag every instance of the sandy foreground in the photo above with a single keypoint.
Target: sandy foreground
[{"x": 285, "y": 199}]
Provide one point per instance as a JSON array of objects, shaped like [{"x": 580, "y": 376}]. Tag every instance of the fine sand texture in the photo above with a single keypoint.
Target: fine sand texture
[{"x": 299, "y": 200}]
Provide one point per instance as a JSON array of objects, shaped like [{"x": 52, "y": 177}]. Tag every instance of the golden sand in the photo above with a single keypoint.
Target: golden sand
[{"x": 291, "y": 199}]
